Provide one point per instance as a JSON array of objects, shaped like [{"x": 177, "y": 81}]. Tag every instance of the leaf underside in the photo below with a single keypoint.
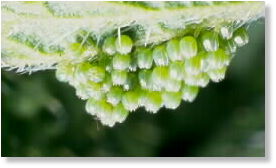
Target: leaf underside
[{"x": 54, "y": 24}]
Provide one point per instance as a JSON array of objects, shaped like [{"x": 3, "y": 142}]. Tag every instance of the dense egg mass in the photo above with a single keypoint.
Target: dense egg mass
[{"x": 124, "y": 77}]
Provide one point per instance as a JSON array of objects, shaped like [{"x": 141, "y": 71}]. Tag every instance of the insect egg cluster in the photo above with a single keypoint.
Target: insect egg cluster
[{"x": 124, "y": 77}]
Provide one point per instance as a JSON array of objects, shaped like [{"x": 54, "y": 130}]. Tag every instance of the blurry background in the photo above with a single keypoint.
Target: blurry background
[{"x": 44, "y": 117}]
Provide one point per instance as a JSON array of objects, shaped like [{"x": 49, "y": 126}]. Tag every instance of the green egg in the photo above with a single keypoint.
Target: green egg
[
  {"x": 160, "y": 56},
  {"x": 171, "y": 100},
  {"x": 104, "y": 61},
  {"x": 96, "y": 74},
  {"x": 86, "y": 71},
  {"x": 121, "y": 62},
  {"x": 194, "y": 65},
  {"x": 123, "y": 44},
  {"x": 201, "y": 79},
  {"x": 160, "y": 77},
  {"x": 241, "y": 37},
  {"x": 172, "y": 85},
  {"x": 120, "y": 113},
  {"x": 81, "y": 72},
  {"x": 210, "y": 41},
  {"x": 204, "y": 62},
  {"x": 107, "y": 83},
  {"x": 109, "y": 45},
  {"x": 229, "y": 46},
  {"x": 119, "y": 77},
  {"x": 131, "y": 82},
  {"x": 218, "y": 59},
  {"x": 65, "y": 72},
  {"x": 144, "y": 58},
  {"x": 188, "y": 47},
  {"x": 173, "y": 50},
  {"x": 143, "y": 95},
  {"x": 176, "y": 70},
  {"x": 89, "y": 89},
  {"x": 105, "y": 113},
  {"x": 91, "y": 106},
  {"x": 102, "y": 110},
  {"x": 133, "y": 64},
  {"x": 189, "y": 93},
  {"x": 82, "y": 51},
  {"x": 114, "y": 95},
  {"x": 95, "y": 90},
  {"x": 153, "y": 101},
  {"x": 145, "y": 79},
  {"x": 104, "y": 107},
  {"x": 130, "y": 100},
  {"x": 226, "y": 32},
  {"x": 217, "y": 75},
  {"x": 81, "y": 91}
]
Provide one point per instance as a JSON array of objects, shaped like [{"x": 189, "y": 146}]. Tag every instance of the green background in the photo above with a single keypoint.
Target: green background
[{"x": 43, "y": 117}]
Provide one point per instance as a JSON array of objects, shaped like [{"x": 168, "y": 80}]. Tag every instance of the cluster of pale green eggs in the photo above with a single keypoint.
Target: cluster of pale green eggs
[{"x": 123, "y": 77}]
